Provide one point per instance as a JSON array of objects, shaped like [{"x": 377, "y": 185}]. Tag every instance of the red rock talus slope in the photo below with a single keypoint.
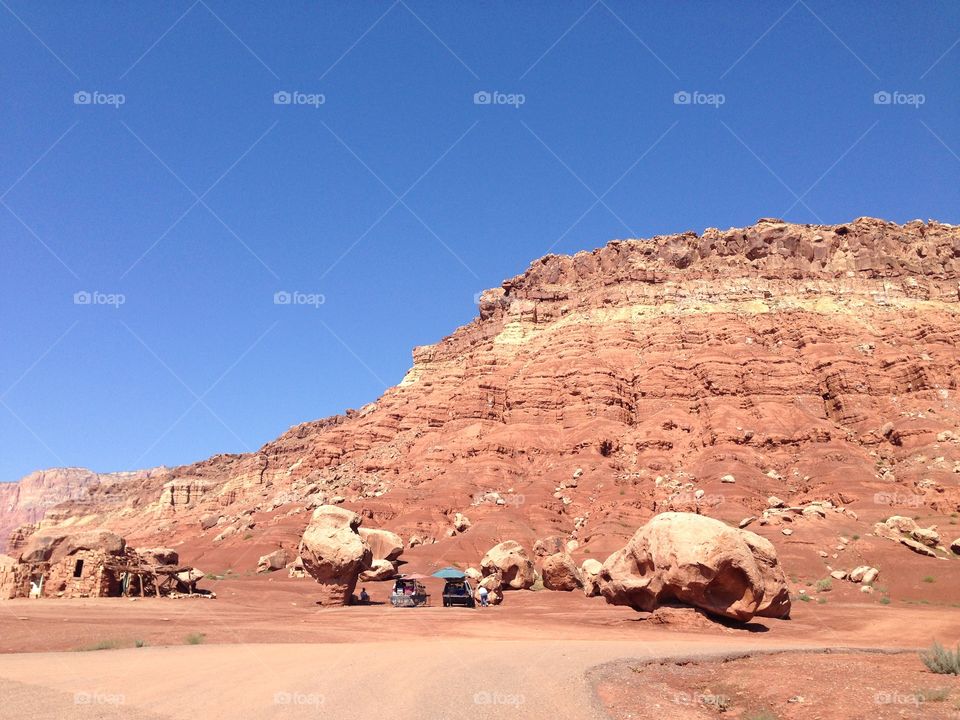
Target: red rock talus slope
[{"x": 806, "y": 362}]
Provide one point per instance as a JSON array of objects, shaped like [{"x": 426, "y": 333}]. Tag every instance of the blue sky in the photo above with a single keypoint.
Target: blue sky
[{"x": 181, "y": 198}]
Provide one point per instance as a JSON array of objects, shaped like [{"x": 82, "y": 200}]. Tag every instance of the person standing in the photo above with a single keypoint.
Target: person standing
[{"x": 483, "y": 595}]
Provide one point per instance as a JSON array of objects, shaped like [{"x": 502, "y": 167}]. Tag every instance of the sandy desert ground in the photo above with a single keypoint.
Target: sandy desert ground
[{"x": 264, "y": 650}]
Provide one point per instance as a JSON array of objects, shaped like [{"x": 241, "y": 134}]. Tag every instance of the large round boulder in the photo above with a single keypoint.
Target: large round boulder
[
  {"x": 510, "y": 561},
  {"x": 560, "y": 573},
  {"x": 334, "y": 553},
  {"x": 695, "y": 560}
]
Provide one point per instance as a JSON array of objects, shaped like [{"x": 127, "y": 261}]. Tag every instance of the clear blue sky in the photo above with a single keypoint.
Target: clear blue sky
[{"x": 398, "y": 198}]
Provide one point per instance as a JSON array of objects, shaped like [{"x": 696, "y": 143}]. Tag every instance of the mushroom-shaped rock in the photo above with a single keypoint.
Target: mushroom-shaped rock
[
  {"x": 510, "y": 561},
  {"x": 384, "y": 545},
  {"x": 560, "y": 573},
  {"x": 590, "y": 575},
  {"x": 334, "y": 553},
  {"x": 696, "y": 560}
]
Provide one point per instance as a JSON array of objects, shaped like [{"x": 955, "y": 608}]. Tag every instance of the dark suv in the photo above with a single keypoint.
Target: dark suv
[{"x": 458, "y": 592}]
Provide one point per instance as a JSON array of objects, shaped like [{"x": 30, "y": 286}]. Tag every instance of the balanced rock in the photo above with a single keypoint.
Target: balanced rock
[
  {"x": 697, "y": 560},
  {"x": 334, "y": 553},
  {"x": 560, "y": 573},
  {"x": 510, "y": 561}
]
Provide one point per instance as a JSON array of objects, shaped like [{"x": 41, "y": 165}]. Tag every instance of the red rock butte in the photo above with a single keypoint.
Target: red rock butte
[{"x": 704, "y": 373}]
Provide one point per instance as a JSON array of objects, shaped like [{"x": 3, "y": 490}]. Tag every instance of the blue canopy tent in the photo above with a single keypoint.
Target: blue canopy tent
[{"x": 449, "y": 573}]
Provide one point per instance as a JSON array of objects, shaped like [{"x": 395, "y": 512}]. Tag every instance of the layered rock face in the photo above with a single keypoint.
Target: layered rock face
[
  {"x": 695, "y": 560},
  {"x": 690, "y": 372}
]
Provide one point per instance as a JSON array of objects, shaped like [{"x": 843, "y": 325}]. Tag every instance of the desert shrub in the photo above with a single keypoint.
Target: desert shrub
[
  {"x": 824, "y": 585},
  {"x": 929, "y": 579},
  {"x": 933, "y": 695},
  {"x": 139, "y": 643},
  {"x": 884, "y": 600},
  {"x": 941, "y": 660},
  {"x": 194, "y": 638},
  {"x": 101, "y": 645}
]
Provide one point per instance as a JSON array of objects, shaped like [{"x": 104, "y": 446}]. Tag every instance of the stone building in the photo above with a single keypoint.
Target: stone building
[{"x": 95, "y": 563}]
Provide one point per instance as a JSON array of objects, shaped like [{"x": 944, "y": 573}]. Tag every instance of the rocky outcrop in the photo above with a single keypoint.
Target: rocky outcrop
[
  {"x": 699, "y": 561},
  {"x": 510, "y": 563},
  {"x": 334, "y": 554},
  {"x": 54, "y": 546}
]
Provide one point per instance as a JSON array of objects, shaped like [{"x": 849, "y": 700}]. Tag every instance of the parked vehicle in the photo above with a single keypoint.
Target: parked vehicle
[
  {"x": 409, "y": 592},
  {"x": 457, "y": 591}
]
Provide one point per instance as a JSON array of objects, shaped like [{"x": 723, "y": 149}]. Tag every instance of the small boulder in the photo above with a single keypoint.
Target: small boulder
[
  {"x": 728, "y": 479},
  {"x": 549, "y": 545},
  {"x": 955, "y": 546},
  {"x": 277, "y": 560},
  {"x": 590, "y": 576},
  {"x": 560, "y": 573},
  {"x": 510, "y": 561},
  {"x": 379, "y": 570},
  {"x": 461, "y": 522},
  {"x": 928, "y": 536}
]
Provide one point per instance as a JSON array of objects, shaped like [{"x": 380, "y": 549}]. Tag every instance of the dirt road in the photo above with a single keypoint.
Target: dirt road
[{"x": 426, "y": 680}]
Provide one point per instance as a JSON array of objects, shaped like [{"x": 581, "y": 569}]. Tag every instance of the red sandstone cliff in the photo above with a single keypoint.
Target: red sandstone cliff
[{"x": 807, "y": 362}]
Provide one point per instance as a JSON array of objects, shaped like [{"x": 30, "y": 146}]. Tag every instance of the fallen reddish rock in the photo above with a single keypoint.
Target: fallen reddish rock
[{"x": 695, "y": 560}]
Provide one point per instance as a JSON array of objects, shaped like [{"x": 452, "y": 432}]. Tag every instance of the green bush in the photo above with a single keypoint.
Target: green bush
[
  {"x": 941, "y": 660},
  {"x": 194, "y": 638},
  {"x": 824, "y": 585}
]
